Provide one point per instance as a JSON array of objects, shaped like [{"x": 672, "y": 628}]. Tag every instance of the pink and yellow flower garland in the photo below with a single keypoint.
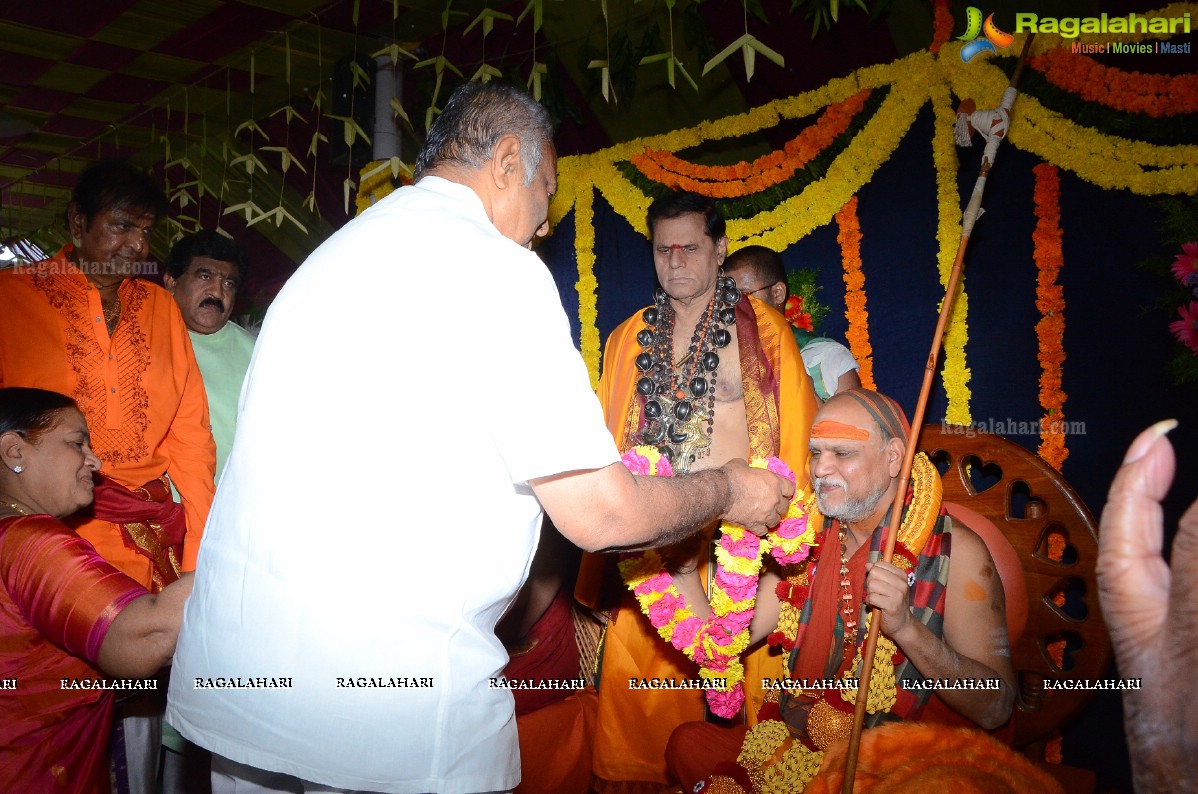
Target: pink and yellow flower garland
[{"x": 715, "y": 644}]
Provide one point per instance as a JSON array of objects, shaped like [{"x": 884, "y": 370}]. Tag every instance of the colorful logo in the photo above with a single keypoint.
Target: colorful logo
[{"x": 994, "y": 39}]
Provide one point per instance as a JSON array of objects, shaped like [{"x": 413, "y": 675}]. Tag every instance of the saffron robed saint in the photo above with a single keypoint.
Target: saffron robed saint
[{"x": 633, "y": 726}]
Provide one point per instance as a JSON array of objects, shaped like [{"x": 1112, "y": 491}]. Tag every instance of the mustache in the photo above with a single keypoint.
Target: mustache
[
  {"x": 819, "y": 481},
  {"x": 216, "y": 303}
]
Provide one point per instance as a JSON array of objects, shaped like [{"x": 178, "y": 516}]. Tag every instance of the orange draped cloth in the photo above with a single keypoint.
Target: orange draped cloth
[
  {"x": 58, "y": 599},
  {"x": 555, "y": 746},
  {"x": 140, "y": 389},
  {"x": 634, "y": 725}
]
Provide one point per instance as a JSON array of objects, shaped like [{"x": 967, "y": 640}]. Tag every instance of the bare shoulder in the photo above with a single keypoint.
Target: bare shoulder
[
  {"x": 973, "y": 575},
  {"x": 968, "y": 548}
]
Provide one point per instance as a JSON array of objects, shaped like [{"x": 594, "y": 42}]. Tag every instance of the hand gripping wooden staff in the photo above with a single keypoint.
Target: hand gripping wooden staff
[{"x": 993, "y": 125}]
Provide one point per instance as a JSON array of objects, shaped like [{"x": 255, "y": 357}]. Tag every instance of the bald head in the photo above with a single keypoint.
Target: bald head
[
  {"x": 758, "y": 271},
  {"x": 857, "y": 445}
]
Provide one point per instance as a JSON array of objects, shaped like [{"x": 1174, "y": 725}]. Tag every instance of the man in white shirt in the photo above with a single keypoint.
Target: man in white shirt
[{"x": 381, "y": 506}]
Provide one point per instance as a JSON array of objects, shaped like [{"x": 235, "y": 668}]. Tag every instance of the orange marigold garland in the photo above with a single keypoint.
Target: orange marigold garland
[
  {"x": 1155, "y": 95},
  {"x": 747, "y": 178},
  {"x": 942, "y": 24},
  {"x": 1050, "y": 300},
  {"x": 857, "y": 335}
]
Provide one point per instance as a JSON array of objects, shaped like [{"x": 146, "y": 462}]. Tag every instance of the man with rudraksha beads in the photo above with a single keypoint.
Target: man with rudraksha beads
[{"x": 706, "y": 375}]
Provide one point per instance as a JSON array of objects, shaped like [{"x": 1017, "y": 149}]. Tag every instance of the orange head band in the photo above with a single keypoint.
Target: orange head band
[{"x": 827, "y": 428}]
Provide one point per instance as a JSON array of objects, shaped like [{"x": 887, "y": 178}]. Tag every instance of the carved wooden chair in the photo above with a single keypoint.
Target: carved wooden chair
[{"x": 1045, "y": 544}]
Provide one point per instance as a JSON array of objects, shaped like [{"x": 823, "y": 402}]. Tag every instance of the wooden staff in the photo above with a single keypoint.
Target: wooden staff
[{"x": 896, "y": 508}]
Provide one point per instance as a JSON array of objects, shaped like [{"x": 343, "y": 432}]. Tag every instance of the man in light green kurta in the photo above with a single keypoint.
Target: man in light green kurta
[{"x": 204, "y": 272}]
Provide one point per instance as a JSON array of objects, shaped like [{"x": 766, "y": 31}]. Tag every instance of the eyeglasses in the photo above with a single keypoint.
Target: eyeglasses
[{"x": 759, "y": 289}]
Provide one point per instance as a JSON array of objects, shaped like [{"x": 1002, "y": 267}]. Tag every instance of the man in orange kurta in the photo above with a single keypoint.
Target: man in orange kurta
[
  {"x": 137, "y": 383},
  {"x": 634, "y": 725}
]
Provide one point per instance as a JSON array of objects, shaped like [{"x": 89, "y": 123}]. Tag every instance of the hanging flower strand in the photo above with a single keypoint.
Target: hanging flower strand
[{"x": 1050, "y": 300}]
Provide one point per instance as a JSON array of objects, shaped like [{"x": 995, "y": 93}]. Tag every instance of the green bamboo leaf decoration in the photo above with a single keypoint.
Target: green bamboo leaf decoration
[
  {"x": 605, "y": 86},
  {"x": 487, "y": 17},
  {"x": 535, "y": 74},
  {"x": 393, "y": 50},
  {"x": 537, "y": 7},
  {"x": 250, "y": 162},
  {"x": 288, "y": 159},
  {"x": 291, "y": 113},
  {"x": 284, "y": 215},
  {"x": 317, "y": 137},
  {"x": 253, "y": 127},
  {"x": 352, "y": 129},
  {"x": 485, "y": 73},
  {"x": 399, "y": 112},
  {"x": 750, "y": 45},
  {"x": 440, "y": 64},
  {"x": 249, "y": 208},
  {"x": 349, "y": 188},
  {"x": 672, "y": 63},
  {"x": 361, "y": 79}
]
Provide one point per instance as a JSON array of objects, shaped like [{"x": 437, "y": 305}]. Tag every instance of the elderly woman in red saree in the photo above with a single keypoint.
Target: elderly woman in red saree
[{"x": 68, "y": 619}]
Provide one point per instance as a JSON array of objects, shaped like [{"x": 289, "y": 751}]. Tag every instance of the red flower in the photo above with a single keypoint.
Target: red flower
[
  {"x": 1185, "y": 266},
  {"x": 792, "y": 310},
  {"x": 1186, "y": 329}
]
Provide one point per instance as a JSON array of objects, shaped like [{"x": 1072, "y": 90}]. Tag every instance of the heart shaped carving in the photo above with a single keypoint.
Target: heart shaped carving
[
  {"x": 1059, "y": 649},
  {"x": 1021, "y": 503},
  {"x": 1068, "y": 599},
  {"x": 1054, "y": 546},
  {"x": 982, "y": 476},
  {"x": 942, "y": 461}
]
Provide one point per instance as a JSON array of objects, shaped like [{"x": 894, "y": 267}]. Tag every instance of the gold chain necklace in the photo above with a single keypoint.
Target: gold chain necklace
[
  {"x": 112, "y": 313},
  {"x": 18, "y": 509}
]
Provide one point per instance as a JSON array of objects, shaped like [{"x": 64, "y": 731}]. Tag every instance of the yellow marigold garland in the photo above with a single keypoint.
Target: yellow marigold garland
[
  {"x": 587, "y": 285},
  {"x": 955, "y": 373},
  {"x": 883, "y": 692},
  {"x": 1108, "y": 161},
  {"x": 1050, "y": 300},
  {"x": 778, "y": 762},
  {"x": 789, "y": 773},
  {"x": 849, "y": 237},
  {"x": 1104, "y": 160}
]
